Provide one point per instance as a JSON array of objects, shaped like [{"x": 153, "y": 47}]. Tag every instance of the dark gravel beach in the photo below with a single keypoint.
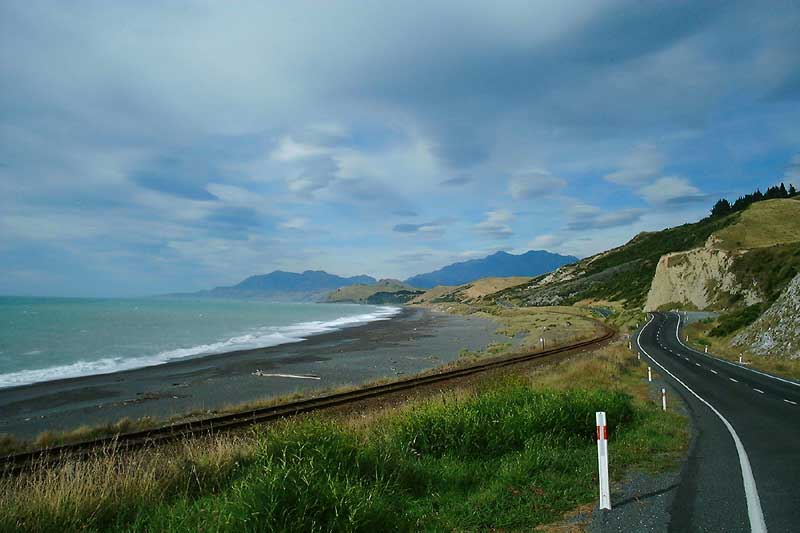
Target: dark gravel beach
[{"x": 415, "y": 340}]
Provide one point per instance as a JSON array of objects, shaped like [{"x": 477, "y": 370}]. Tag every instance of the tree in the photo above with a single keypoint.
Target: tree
[
  {"x": 792, "y": 190},
  {"x": 784, "y": 194},
  {"x": 721, "y": 208}
]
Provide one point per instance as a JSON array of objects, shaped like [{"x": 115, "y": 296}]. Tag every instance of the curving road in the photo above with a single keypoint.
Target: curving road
[{"x": 743, "y": 471}]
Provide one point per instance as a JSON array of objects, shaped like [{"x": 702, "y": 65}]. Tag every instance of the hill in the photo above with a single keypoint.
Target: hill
[
  {"x": 500, "y": 264},
  {"x": 310, "y": 285},
  {"x": 719, "y": 262},
  {"x": 383, "y": 292},
  {"x": 471, "y": 292}
]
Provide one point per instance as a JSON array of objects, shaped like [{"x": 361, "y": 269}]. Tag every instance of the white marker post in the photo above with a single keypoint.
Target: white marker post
[
  {"x": 649, "y": 374},
  {"x": 706, "y": 350},
  {"x": 664, "y": 399},
  {"x": 638, "y": 355},
  {"x": 629, "y": 345},
  {"x": 687, "y": 338},
  {"x": 541, "y": 341},
  {"x": 740, "y": 359},
  {"x": 602, "y": 460}
]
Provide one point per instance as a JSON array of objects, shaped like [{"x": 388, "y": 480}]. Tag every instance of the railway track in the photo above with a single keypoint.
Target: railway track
[{"x": 12, "y": 464}]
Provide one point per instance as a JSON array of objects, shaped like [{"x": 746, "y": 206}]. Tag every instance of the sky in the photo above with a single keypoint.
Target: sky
[{"x": 160, "y": 146}]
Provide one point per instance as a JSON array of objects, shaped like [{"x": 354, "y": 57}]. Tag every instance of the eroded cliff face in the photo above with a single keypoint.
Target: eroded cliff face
[
  {"x": 697, "y": 278},
  {"x": 777, "y": 332}
]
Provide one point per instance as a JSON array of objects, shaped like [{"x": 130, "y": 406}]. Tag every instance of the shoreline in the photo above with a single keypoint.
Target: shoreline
[{"x": 414, "y": 340}]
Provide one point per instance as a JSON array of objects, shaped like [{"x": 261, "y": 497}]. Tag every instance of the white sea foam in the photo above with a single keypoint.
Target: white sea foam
[{"x": 259, "y": 338}]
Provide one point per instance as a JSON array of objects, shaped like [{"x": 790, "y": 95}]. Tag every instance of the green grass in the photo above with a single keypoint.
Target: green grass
[{"x": 506, "y": 457}]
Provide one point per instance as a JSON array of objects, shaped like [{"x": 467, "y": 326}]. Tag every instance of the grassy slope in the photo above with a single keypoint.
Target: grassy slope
[
  {"x": 765, "y": 223},
  {"x": 501, "y": 452}
]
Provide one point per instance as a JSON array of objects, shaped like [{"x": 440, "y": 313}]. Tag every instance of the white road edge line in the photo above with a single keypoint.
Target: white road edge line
[
  {"x": 754, "y": 512},
  {"x": 789, "y": 401},
  {"x": 678, "y": 335},
  {"x": 759, "y": 391},
  {"x": 735, "y": 381},
  {"x": 714, "y": 371}
]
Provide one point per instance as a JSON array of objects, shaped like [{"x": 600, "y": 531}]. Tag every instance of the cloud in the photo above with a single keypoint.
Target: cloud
[
  {"x": 455, "y": 182},
  {"x": 316, "y": 173},
  {"x": 192, "y": 178},
  {"x": 413, "y": 257},
  {"x": 289, "y": 150},
  {"x": 534, "y": 184},
  {"x": 791, "y": 173},
  {"x": 496, "y": 225},
  {"x": 588, "y": 217},
  {"x": 295, "y": 223},
  {"x": 545, "y": 241},
  {"x": 672, "y": 190},
  {"x": 639, "y": 166},
  {"x": 434, "y": 229}
]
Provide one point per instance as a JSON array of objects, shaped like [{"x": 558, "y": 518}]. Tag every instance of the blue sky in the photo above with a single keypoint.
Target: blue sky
[{"x": 148, "y": 147}]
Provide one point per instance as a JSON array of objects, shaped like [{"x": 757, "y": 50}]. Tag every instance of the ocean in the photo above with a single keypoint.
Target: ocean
[{"x": 42, "y": 339}]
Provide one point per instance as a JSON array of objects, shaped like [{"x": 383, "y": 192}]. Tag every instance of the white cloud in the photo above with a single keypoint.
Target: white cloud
[
  {"x": 295, "y": 223},
  {"x": 588, "y": 217},
  {"x": 671, "y": 190},
  {"x": 547, "y": 241},
  {"x": 289, "y": 150},
  {"x": 533, "y": 184},
  {"x": 497, "y": 224},
  {"x": 640, "y": 166}
]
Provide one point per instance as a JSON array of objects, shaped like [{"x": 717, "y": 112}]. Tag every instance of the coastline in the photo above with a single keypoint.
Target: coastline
[{"x": 416, "y": 339}]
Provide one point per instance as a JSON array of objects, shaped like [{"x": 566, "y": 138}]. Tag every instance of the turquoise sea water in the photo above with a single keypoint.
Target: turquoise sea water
[{"x": 52, "y": 338}]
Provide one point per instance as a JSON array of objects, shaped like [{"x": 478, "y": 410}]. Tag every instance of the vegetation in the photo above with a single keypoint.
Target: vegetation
[
  {"x": 771, "y": 269},
  {"x": 392, "y": 297},
  {"x": 736, "y": 319},
  {"x": 384, "y": 291},
  {"x": 504, "y": 452},
  {"x": 723, "y": 207}
]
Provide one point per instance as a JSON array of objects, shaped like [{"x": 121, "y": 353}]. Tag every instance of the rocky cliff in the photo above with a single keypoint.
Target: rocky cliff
[
  {"x": 701, "y": 278},
  {"x": 777, "y": 331}
]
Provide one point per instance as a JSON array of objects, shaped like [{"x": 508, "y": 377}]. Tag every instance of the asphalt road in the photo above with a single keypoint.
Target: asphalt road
[{"x": 743, "y": 472}]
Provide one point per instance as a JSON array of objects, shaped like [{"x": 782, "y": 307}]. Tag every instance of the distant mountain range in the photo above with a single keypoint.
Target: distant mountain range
[
  {"x": 501, "y": 264},
  {"x": 311, "y": 285},
  {"x": 315, "y": 285}
]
